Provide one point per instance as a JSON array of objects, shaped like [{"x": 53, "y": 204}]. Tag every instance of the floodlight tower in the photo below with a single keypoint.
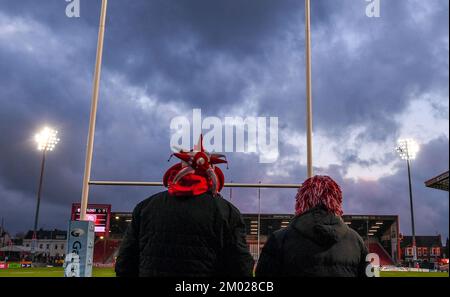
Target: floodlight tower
[
  {"x": 46, "y": 140},
  {"x": 407, "y": 149}
]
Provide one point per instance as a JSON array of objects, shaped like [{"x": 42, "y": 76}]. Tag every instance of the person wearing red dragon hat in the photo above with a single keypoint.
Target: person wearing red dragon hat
[
  {"x": 188, "y": 230},
  {"x": 317, "y": 242}
]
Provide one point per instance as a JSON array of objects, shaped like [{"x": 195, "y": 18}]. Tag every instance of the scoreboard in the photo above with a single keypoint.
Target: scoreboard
[{"x": 100, "y": 214}]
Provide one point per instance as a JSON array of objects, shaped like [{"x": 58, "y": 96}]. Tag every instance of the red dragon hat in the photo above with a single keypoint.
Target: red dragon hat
[{"x": 196, "y": 173}]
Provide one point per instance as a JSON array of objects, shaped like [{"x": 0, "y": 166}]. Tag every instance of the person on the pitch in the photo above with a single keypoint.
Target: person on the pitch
[
  {"x": 189, "y": 230},
  {"x": 317, "y": 242}
]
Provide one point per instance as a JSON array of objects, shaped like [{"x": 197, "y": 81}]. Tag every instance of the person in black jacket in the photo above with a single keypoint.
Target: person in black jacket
[
  {"x": 317, "y": 242},
  {"x": 189, "y": 230}
]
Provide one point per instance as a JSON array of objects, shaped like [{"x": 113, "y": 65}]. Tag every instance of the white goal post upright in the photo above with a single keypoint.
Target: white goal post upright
[
  {"x": 93, "y": 115},
  {"x": 309, "y": 145}
]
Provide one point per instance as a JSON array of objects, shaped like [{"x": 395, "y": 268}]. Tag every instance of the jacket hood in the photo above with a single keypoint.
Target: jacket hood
[{"x": 320, "y": 226}]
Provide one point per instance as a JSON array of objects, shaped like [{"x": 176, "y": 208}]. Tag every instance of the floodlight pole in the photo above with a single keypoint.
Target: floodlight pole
[
  {"x": 93, "y": 115},
  {"x": 2, "y": 235},
  {"x": 412, "y": 211},
  {"x": 403, "y": 149},
  {"x": 308, "y": 89},
  {"x": 259, "y": 221},
  {"x": 36, "y": 216}
]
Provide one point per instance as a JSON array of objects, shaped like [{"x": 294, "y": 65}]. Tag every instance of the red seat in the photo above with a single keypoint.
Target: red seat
[
  {"x": 104, "y": 250},
  {"x": 385, "y": 259}
]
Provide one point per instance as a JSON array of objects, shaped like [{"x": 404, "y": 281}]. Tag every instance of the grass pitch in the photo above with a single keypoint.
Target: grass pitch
[
  {"x": 51, "y": 272},
  {"x": 412, "y": 274},
  {"x": 109, "y": 272}
]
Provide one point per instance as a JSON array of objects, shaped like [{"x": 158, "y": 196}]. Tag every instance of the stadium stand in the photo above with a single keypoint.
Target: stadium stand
[
  {"x": 439, "y": 182},
  {"x": 104, "y": 250},
  {"x": 379, "y": 232},
  {"x": 375, "y": 247}
]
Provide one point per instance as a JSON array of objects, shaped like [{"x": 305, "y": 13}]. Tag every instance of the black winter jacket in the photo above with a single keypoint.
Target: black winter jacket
[
  {"x": 196, "y": 236},
  {"x": 316, "y": 243}
]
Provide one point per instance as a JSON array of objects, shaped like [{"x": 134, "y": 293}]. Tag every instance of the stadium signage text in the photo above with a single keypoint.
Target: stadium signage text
[
  {"x": 79, "y": 255},
  {"x": 76, "y": 247},
  {"x": 77, "y": 232}
]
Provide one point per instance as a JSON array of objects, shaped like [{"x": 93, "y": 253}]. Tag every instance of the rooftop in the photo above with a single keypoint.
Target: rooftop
[
  {"x": 438, "y": 182},
  {"x": 422, "y": 241},
  {"x": 47, "y": 234}
]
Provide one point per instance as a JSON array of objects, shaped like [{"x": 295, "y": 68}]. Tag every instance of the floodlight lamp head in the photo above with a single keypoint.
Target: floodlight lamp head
[
  {"x": 407, "y": 148},
  {"x": 47, "y": 139}
]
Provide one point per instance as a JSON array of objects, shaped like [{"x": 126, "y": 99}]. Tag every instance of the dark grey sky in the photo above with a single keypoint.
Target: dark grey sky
[{"x": 374, "y": 80}]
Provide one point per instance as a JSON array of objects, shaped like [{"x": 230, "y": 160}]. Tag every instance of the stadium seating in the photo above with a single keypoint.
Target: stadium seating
[
  {"x": 104, "y": 250},
  {"x": 385, "y": 259}
]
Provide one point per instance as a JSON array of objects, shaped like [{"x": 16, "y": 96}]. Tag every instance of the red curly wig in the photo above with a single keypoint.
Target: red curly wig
[{"x": 319, "y": 190}]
